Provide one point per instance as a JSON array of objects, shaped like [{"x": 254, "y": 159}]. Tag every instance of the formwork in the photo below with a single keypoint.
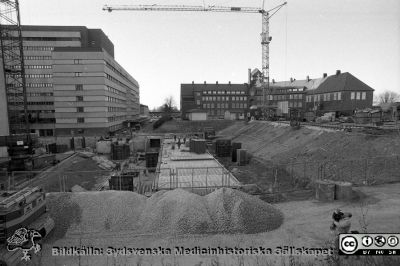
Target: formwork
[{"x": 200, "y": 173}]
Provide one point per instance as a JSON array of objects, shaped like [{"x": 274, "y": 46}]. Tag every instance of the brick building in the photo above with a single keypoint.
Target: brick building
[
  {"x": 219, "y": 100},
  {"x": 341, "y": 93}
]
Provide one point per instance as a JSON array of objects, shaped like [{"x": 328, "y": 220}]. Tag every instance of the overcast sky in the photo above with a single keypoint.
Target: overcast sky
[{"x": 161, "y": 50}]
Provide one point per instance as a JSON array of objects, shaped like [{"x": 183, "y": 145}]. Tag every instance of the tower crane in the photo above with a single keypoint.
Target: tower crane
[
  {"x": 265, "y": 14},
  {"x": 12, "y": 58}
]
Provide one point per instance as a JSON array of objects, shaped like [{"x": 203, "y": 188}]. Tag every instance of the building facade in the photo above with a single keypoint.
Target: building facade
[
  {"x": 341, "y": 93},
  {"x": 144, "y": 110},
  {"x": 73, "y": 83},
  {"x": 218, "y": 100}
]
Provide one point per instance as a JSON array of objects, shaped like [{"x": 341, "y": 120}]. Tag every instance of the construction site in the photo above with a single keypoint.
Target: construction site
[{"x": 176, "y": 191}]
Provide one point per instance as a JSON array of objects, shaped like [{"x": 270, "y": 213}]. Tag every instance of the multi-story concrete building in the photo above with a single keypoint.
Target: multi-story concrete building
[
  {"x": 219, "y": 100},
  {"x": 73, "y": 83}
]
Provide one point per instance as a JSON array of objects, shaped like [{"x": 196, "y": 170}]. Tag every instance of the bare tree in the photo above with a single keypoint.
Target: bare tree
[
  {"x": 387, "y": 97},
  {"x": 169, "y": 104}
]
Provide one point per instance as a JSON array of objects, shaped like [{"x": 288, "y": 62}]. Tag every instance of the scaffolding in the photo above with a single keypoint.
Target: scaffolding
[{"x": 12, "y": 57}]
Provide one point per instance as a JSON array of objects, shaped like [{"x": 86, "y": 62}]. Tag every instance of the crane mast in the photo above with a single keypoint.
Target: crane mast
[
  {"x": 265, "y": 38},
  {"x": 12, "y": 58}
]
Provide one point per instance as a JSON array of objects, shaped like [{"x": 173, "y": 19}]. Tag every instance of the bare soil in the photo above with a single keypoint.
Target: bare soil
[{"x": 306, "y": 224}]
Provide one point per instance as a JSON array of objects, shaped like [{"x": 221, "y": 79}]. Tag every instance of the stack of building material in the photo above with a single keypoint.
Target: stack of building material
[
  {"x": 223, "y": 147},
  {"x": 103, "y": 163},
  {"x": 235, "y": 147},
  {"x": 198, "y": 146},
  {"x": 324, "y": 190},
  {"x": 119, "y": 152},
  {"x": 103, "y": 146},
  {"x": 241, "y": 156}
]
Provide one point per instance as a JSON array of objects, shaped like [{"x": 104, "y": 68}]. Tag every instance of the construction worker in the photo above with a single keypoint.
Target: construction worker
[
  {"x": 341, "y": 222},
  {"x": 179, "y": 143}
]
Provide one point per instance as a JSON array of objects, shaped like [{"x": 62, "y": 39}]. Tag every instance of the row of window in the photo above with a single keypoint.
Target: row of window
[
  {"x": 39, "y": 85},
  {"x": 336, "y": 96},
  {"x": 51, "y": 39},
  {"x": 114, "y": 100},
  {"x": 37, "y": 76},
  {"x": 119, "y": 73},
  {"x": 40, "y": 103},
  {"x": 285, "y": 97},
  {"x": 38, "y": 48},
  {"x": 36, "y": 57},
  {"x": 31, "y": 103},
  {"x": 358, "y": 95},
  {"x": 221, "y": 92},
  {"x": 116, "y": 118},
  {"x": 35, "y": 94},
  {"x": 224, "y": 105},
  {"x": 114, "y": 90},
  {"x": 224, "y": 98},
  {"x": 38, "y": 66},
  {"x": 29, "y": 57},
  {"x": 295, "y": 104},
  {"x": 116, "y": 109},
  {"x": 109, "y": 77}
]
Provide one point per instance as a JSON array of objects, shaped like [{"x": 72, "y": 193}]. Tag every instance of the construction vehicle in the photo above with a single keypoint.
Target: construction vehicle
[
  {"x": 22, "y": 209},
  {"x": 265, "y": 38}
]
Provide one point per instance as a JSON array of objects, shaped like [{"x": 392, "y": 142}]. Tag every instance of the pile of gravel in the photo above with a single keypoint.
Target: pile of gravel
[
  {"x": 237, "y": 212},
  {"x": 169, "y": 212},
  {"x": 223, "y": 211},
  {"x": 176, "y": 211}
]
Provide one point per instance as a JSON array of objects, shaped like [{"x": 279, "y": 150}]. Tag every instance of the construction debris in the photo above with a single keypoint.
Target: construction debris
[{"x": 103, "y": 163}]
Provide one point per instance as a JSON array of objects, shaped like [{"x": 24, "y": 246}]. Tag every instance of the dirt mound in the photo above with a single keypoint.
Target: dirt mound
[
  {"x": 304, "y": 152},
  {"x": 167, "y": 212},
  {"x": 236, "y": 211},
  {"x": 176, "y": 211},
  {"x": 223, "y": 211}
]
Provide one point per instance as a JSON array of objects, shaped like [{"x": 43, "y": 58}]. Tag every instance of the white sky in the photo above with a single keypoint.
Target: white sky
[{"x": 161, "y": 50}]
